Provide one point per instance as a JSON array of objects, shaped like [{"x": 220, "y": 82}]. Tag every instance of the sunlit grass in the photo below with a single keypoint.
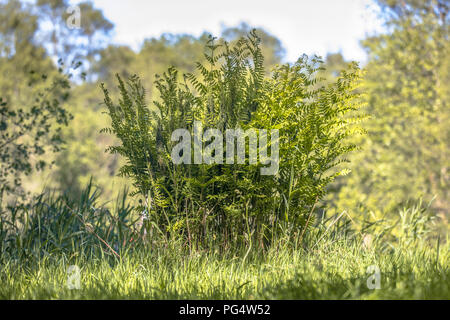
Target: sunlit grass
[
  {"x": 331, "y": 271},
  {"x": 40, "y": 242}
]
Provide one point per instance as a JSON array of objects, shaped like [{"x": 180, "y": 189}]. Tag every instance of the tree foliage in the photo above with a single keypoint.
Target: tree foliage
[
  {"x": 406, "y": 153},
  {"x": 26, "y": 134}
]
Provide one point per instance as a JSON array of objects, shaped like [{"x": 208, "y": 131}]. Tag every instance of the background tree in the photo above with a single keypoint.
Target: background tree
[
  {"x": 27, "y": 135},
  {"x": 271, "y": 46},
  {"x": 71, "y": 44},
  {"x": 407, "y": 84},
  {"x": 334, "y": 65}
]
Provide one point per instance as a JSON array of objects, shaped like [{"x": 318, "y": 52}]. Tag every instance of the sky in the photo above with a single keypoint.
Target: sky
[{"x": 303, "y": 26}]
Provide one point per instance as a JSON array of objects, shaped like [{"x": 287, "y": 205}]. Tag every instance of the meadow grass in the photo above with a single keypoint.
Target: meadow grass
[
  {"x": 332, "y": 270},
  {"x": 40, "y": 242}
]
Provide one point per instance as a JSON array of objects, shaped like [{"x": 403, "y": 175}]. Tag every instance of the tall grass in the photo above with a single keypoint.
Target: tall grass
[{"x": 40, "y": 241}]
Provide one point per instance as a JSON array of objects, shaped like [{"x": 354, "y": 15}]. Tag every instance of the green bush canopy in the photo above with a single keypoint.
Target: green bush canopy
[{"x": 204, "y": 202}]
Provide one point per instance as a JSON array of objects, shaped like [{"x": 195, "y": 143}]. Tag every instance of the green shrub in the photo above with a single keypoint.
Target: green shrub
[{"x": 235, "y": 202}]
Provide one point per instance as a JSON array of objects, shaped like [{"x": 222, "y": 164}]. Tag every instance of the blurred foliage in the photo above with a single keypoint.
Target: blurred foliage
[
  {"x": 406, "y": 152},
  {"x": 26, "y": 135}
]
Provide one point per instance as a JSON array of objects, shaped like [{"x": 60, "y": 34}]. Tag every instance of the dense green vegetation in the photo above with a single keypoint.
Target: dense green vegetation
[
  {"x": 406, "y": 152},
  {"x": 223, "y": 197},
  {"x": 349, "y": 193},
  {"x": 330, "y": 263}
]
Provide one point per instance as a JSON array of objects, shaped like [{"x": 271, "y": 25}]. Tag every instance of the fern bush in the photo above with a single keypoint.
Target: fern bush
[{"x": 203, "y": 203}]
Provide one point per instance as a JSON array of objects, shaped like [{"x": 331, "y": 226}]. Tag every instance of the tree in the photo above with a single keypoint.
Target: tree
[
  {"x": 27, "y": 135},
  {"x": 334, "y": 65},
  {"x": 64, "y": 42},
  {"x": 407, "y": 84},
  {"x": 271, "y": 46},
  {"x": 33, "y": 36}
]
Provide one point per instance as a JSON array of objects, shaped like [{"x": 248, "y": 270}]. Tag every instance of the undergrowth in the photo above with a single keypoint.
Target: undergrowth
[{"x": 41, "y": 241}]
